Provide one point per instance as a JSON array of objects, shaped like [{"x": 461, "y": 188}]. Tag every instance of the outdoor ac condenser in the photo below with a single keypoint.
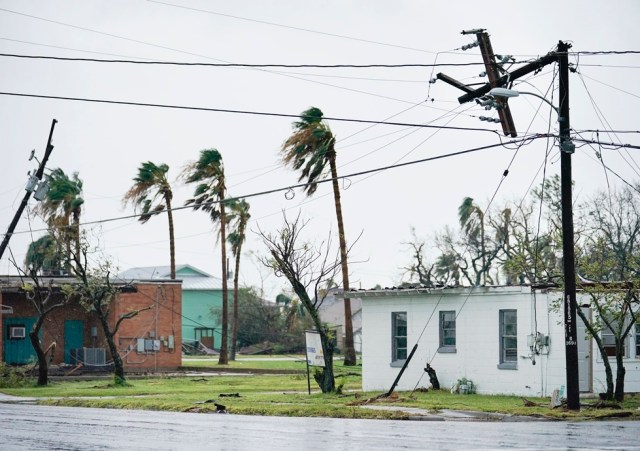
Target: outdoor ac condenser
[{"x": 89, "y": 356}]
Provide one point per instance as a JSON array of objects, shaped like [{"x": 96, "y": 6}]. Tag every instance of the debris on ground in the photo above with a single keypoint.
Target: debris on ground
[{"x": 393, "y": 397}]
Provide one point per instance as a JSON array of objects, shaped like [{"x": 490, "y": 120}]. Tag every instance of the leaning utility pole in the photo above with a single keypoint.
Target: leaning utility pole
[
  {"x": 25, "y": 199},
  {"x": 566, "y": 149}
]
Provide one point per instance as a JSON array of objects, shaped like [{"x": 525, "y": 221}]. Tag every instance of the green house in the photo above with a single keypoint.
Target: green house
[{"x": 201, "y": 292}]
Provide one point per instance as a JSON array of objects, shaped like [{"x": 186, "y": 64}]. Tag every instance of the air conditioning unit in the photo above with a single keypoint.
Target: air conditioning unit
[
  {"x": 89, "y": 356},
  {"x": 17, "y": 332}
]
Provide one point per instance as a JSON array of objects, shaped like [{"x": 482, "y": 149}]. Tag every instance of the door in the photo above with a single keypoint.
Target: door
[
  {"x": 17, "y": 345},
  {"x": 73, "y": 337},
  {"x": 584, "y": 354}
]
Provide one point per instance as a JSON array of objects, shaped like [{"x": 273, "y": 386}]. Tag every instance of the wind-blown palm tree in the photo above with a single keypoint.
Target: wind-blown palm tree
[
  {"x": 308, "y": 150},
  {"x": 238, "y": 218},
  {"x": 62, "y": 208},
  {"x": 43, "y": 257},
  {"x": 208, "y": 173},
  {"x": 151, "y": 185}
]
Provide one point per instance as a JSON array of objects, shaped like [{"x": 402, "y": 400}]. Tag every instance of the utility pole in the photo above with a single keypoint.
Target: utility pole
[
  {"x": 568, "y": 255},
  {"x": 38, "y": 175},
  {"x": 491, "y": 68},
  {"x": 560, "y": 56}
]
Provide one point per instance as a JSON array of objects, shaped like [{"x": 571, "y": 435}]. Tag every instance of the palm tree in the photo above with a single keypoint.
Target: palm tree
[
  {"x": 209, "y": 196},
  {"x": 62, "y": 207},
  {"x": 238, "y": 218},
  {"x": 43, "y": 257},
  {"x": 151, "y": 185},
  {"x": 308, "y": 150}
]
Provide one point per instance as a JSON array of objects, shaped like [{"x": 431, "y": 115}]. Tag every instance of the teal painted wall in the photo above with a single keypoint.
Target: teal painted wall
[
  {"x": 18, "y": 351},
  {"x": 73, "y": 337},
  {"x": 196, "y": 312},
  {"x": 187, "y": 272}
]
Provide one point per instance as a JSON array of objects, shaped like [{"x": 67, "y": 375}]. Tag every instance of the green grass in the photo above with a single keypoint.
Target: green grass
[
  {"x": 294, "y": 363},
  {"x": 286, "y": 395}
]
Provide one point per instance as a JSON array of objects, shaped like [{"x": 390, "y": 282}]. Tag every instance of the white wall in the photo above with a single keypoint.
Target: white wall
[{"x": 477, "y": 340}]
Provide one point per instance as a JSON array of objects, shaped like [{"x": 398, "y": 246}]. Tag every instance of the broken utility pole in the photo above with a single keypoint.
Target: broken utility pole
[
  {"x": 566, "y": 149},
  {"x": 30, "y": 187}
]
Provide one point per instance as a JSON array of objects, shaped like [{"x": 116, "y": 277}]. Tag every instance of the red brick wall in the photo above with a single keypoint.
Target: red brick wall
[
  {"x": 53, "y": 327},
  {"x": 162, "y": 320}
]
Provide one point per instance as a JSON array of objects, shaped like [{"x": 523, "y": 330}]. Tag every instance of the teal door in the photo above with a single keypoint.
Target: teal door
[
  {"x": 17, "y": 346},
  {"x": 73, "y": 337}
]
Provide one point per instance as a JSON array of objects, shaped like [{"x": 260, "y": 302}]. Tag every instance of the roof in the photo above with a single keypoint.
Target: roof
[{"x": 192, "y": 277}]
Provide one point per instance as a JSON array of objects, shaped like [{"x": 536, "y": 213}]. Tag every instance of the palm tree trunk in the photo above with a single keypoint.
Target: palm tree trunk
[
  {"x": 67, "y": 241},
  {"x": 76, "y": 235},
  {"x": 224, "y": 349},
  {"x": 172, "y": 241},
  {"x": 349, "y": 349},
  {"x": 234, "y": 333}
]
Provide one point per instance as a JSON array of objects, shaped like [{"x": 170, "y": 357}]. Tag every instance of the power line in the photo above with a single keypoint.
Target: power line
[
  {"x": 289, "y": 26},
  {"x": 224, "y": 110},
  {"x": 178, "y": 63},
  {"x": 606, "y": 52},
  {"x": 327, "y": 180}
]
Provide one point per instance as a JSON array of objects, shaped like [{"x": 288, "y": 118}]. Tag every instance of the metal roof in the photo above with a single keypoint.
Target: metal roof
[{"x": 192, "y": 278}]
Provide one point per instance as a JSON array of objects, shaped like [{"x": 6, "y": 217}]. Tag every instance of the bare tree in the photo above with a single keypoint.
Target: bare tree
[
  {"x": 609, "y": 256},
  {"x": 44, "y": 301},
  {"x": 419, "y": 269},
  {"x": 96, "y": 293},
  {"x": 308, "y": 268}
]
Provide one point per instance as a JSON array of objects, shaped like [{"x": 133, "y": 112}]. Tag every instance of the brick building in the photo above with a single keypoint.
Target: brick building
[{"x": 150, "y": 341}]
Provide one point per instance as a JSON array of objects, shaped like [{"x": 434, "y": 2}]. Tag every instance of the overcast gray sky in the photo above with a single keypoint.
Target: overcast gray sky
[{"x": 106, "y": 143}]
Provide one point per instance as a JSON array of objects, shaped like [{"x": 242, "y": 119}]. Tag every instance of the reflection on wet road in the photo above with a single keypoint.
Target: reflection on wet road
[{"x": 64, "y": 428}]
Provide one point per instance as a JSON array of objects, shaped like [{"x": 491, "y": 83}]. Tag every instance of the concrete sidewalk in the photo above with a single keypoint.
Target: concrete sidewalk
[{"x": 418, "y": 414}]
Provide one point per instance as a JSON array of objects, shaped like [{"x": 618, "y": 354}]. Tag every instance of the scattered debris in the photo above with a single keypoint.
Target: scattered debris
[
  {"x": 219, "y": 407},
  {"x": 229, "y": 395},
  {"x": 528, "y": 403},
  {"x": 393, "y": 397},
  {"x": 604, "y": 405}
]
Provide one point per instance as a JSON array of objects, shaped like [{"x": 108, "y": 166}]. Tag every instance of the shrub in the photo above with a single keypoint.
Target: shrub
[
  {"x": 12, "y": 377},
  {"x": 464, "y": 386}
]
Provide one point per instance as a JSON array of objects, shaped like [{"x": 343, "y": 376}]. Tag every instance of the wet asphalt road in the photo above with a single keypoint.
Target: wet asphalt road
[{"x": 32, "y": 427}]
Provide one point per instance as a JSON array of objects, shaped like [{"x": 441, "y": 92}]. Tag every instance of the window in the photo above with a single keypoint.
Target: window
[
  {"x": 637, "y": 341},
  {"x": 447, "y": 331},
  {"x": 399, "y": 336},
  {"x": 609, "y": 340},
  {"x": 508, "y": 339}
]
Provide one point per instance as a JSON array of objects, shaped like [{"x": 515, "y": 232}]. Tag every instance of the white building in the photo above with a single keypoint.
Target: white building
[{"x": 507, "y": 340}]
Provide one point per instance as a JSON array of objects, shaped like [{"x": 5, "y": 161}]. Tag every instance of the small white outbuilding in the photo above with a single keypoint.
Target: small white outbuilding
[{"x": 507, "y": 340}]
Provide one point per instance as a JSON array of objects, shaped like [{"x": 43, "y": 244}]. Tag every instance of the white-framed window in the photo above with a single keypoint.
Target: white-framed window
[
  {"x": 637, "y": 341},
  {"x": 398, "y": 337},
  {"x": 508, "y": 339},
  {"x": 447, "y": 331}
]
